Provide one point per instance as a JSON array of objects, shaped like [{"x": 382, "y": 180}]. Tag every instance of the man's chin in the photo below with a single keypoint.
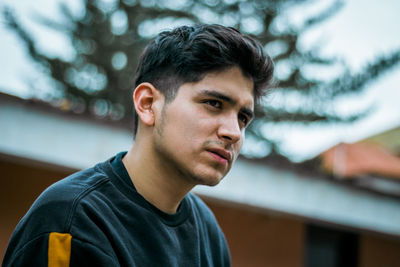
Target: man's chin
[
  {"x": 208, "y": 176},
  {"x": 210, "y": 181}
]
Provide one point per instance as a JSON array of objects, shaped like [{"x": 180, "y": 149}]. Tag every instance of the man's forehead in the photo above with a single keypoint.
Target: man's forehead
[{"x": 231, "y": 82}]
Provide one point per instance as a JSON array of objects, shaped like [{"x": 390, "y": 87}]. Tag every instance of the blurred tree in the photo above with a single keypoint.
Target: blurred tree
[{"x": 111, "y": 34}]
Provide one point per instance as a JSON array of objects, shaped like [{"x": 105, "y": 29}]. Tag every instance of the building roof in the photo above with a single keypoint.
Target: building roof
[
  {"x": 32, "y": 131},
  {"x": 351, "y": 160},
  {"x": 372, "y": 163}
]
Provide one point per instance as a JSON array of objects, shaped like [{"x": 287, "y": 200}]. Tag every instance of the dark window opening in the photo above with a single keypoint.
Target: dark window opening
[{"x": 327, "y": 247}]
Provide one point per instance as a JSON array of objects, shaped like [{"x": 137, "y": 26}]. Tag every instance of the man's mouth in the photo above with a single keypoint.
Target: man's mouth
[{"x": 222, "y": 155}]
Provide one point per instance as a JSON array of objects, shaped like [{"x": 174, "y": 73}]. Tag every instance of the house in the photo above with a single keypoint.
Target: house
[{"x": 273, "y": 212}]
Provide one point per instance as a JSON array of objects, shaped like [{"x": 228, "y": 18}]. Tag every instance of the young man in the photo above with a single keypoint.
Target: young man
[{"x": 196, "y": 88}]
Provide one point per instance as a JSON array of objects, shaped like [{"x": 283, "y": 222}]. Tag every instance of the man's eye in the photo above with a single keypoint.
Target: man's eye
[
  {"x": 243, "y": 119},
  {"x": 214, "y": 103}
]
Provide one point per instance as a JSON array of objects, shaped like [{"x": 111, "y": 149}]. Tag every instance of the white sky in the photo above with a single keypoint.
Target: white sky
[{"x": 358, "y": 33}]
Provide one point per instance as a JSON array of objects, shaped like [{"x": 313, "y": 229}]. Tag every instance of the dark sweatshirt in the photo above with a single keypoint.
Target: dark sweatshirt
[{"x": 96, "y": 217}]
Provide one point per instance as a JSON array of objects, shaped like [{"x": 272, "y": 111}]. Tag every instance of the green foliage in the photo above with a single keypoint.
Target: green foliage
[{"x": 110, "y": 35}]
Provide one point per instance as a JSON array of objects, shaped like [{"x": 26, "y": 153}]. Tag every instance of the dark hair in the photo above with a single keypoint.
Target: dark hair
[{"x": 188, "y": 53}]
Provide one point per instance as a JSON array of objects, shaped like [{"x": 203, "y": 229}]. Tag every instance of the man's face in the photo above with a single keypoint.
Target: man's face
[{"x": 200, "y": 132}]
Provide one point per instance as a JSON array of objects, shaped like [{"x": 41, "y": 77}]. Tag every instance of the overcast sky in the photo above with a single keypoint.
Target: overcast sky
[
  {"x": 361, "y": 31},
  {"x": 358, "y": 33}
]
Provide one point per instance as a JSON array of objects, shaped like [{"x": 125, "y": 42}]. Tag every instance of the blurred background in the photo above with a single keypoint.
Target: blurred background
[{"x": 318, "y": 182}]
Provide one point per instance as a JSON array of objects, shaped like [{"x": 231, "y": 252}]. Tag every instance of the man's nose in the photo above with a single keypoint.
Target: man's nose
[{"x": 229, "y": 129}]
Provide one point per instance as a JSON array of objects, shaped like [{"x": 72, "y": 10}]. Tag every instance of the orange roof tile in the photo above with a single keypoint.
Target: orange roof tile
[{"x": 350, "y": 160}]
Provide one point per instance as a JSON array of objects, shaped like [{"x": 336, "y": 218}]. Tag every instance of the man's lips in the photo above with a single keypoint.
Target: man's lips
[{"x": 225, "y": 154}]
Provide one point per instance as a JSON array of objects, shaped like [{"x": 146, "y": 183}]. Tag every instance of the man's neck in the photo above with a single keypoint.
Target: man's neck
[{"x": 159, "y": 186}]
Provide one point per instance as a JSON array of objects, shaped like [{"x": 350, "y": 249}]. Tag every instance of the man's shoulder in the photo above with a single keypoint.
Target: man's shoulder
[
  {"x": 72, "y": 187},
  {"x": 53, "y": 209}
]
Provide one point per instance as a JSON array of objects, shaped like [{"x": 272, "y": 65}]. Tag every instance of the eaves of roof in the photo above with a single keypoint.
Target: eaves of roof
[{"x": 33, "y": 132}]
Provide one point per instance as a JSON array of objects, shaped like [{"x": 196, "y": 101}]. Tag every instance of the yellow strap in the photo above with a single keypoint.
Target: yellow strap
[{"x": 59, "y": 250}]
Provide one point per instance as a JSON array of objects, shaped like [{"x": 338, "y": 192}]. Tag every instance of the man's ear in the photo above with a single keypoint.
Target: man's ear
[{"x": 145, "y": 97}]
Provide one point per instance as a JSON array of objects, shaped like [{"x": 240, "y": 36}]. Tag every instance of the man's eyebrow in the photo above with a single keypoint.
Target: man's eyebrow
[
  {"x": 229, "y": 100},
  {"x": 219, "y": 96}
]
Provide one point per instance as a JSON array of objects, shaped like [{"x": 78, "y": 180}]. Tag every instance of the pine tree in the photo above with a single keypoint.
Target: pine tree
[{"x": 109, "y": 37}]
